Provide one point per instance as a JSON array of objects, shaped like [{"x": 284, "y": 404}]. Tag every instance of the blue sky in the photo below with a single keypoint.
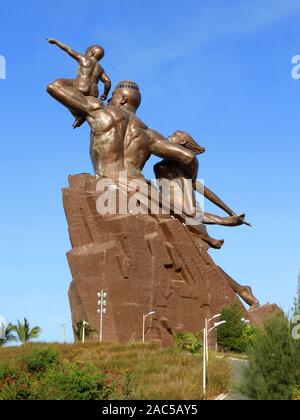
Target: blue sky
[{"x": 219, "y": 69}]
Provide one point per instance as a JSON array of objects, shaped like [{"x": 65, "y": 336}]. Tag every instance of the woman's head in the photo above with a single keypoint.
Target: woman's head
[{"x": 186, "y": 140}]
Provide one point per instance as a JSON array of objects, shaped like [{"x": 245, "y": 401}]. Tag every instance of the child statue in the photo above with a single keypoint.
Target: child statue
[{"x": 90, "y": 73}]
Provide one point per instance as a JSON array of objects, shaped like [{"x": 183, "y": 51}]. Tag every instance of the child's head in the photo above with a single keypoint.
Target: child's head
[
  {"x": 187, "y": 141},
  {"x": 95, "y": 51}
]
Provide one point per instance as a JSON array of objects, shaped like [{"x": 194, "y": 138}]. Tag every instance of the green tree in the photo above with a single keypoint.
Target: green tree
[
  {"x": 6, "y": 335},
  {"x": 231, "y": 336},
  {"x": 271, "y": 373},
  {"x": 249, "y": 334},
  {"x": 25, "y": 333}
]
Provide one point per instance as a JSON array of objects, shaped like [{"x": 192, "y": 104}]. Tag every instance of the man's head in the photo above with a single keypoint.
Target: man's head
[
  {"x": 187, "y": 141},
  {"x": 127, "y": 94},
  {"x": 96, "y": 52}
]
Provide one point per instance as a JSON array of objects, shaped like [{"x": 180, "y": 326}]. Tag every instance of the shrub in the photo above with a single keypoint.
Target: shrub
[
  {"x": 249, "y": 334},
  {"x": 296, "y": 394},
  {"x": 5, "y": 371},
  {"x": 61, "y": 382},
  {"x": 15, "y": 387},
  {"x": 188, "y": 342},
  {"x": 127, "y": 385},
  {"x": 40, "y": 360},
  {"x": 72, "y": 382}
]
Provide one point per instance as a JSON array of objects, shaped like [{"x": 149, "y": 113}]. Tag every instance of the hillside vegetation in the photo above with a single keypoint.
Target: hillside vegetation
[{"x": 107, "y": 371}]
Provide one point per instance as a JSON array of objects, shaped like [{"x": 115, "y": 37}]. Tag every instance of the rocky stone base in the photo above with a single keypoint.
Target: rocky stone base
[{"x": 145, "y": 263}]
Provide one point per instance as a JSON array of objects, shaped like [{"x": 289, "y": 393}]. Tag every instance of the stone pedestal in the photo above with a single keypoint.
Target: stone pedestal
[{"x": 145, "y": 263}]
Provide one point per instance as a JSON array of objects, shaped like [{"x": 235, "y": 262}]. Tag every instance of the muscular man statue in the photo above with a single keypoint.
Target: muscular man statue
[{"x": 115, "y": 128}]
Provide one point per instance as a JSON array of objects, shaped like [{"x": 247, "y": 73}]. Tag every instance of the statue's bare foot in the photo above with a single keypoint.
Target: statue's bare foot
[
  {"x": 242, "y": 221},
  {"x": 249, "y": 298},
  {"x": 78, "y": 122},
  {"x": 238, "y": 220},
  {"x": 254, "y": 307},
  {"x": 218, "y": 244},
  {"x": 214, "y": 243}
]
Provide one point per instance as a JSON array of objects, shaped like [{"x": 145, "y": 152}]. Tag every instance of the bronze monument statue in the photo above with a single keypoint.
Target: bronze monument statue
[{"x": 145, "y": 261}]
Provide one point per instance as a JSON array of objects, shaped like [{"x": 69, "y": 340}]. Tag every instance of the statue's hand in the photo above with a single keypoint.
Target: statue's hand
[{"x": 51, "y": 41}]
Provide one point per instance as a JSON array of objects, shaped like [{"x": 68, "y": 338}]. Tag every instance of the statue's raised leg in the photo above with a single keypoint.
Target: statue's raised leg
[
  {"x": 212, "y": 219},
  {"x": 244, "y": 292}
]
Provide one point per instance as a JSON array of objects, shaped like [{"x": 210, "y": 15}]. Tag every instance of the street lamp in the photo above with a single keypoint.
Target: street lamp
[
  {"x": 84, "y": 324},
  {"x": 207, "y": 322},
  {"x": 206, "y": 332},
  {"x": 101, "y": 311},
  {"x": 144, "y": 323},
  {"x": 64, "y": 326},
  {"x": 216, "y": 325}
]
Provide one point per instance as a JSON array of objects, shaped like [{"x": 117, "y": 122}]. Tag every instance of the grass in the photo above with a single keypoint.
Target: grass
[{"x": 140, "y": 372}]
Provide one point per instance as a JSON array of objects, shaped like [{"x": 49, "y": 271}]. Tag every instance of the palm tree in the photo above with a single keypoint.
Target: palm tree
[
  {"x": 25, "y": 333},
  {"x": 78, "y": 330},
  {"x": 6, "y": 335}
]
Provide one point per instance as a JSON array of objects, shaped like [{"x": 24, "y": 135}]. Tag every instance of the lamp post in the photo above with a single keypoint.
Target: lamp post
[
  {"x": 64, "y": 326},
  {"x": 84, "y": 324},
  {"x": 101, "y": 311},
  {"x": 144, "y": 323},
  {"x": 206, "y": 332},
  {"x": 207, "y": 322}
]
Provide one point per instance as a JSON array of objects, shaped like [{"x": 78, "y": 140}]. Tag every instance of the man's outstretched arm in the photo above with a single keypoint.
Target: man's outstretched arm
[
  {"x": 162, "y": 148},
  {"x": 65, "y": 48}
]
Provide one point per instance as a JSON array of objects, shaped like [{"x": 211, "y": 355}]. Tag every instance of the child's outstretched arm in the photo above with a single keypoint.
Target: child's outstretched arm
[{"x": 65, "y": 48}]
